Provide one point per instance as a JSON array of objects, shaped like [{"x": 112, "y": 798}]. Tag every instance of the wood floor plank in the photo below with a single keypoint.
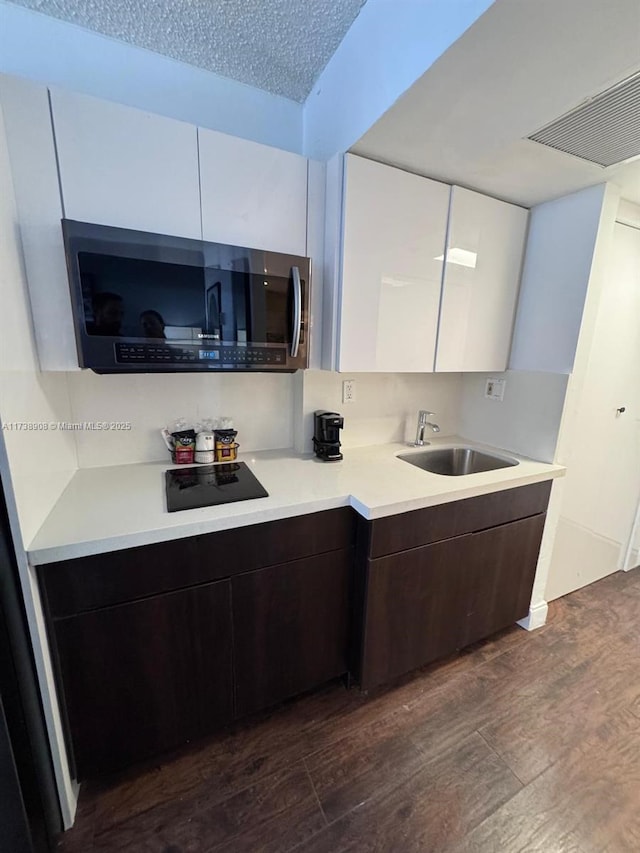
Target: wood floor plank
[
  {"x": 588, "y": 801},
  {"x": 275, "y": 813},
  {"x": 369, "y": 764},
  {"x": 530, "y": 737},
  {"x": 440, "y": 803},
  {"x": 79, "y": 839}
]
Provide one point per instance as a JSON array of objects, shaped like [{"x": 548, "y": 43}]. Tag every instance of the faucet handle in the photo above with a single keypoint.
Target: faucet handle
[{"x": 423, "y": 414}]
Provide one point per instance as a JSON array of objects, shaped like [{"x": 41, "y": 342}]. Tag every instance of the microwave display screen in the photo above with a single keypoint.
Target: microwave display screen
[{"x": 142, "y": 299}]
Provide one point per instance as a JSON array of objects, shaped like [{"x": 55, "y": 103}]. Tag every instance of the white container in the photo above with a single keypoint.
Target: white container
[{"x": 205, "y": 448}]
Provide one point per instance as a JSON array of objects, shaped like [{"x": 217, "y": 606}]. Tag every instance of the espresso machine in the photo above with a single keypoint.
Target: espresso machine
[{"x": 326, "y": 435}]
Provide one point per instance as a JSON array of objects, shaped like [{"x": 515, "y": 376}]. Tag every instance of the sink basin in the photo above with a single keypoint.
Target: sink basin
[{"x": 457, "y": 461}]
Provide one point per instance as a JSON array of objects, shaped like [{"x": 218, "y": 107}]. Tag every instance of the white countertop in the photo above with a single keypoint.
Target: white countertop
[{"x": 121, "y": 506}]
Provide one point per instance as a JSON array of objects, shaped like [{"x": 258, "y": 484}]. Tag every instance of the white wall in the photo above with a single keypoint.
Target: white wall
[
  {"x": 628, "y": 213},
  {"x": 555, "y": 276},
  {"x": 385, "y": 408},
  {"x": 35, "y": 465},
  {"x": 57, "y": 53},
  {"x": 389, "y": 45},
  {"x": 527, "y": 421},
  {"x": 261, "y": 405},
  {"x": 269, "y": 410}
]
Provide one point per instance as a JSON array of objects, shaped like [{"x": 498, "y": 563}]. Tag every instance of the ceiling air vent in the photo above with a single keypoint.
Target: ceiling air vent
[{"x": 604, "y": 130}]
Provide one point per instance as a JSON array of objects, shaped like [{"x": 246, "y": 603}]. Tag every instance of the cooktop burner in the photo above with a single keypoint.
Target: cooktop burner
[{"x": 207, "y": 485}]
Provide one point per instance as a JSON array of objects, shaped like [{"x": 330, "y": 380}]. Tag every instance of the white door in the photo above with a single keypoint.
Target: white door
[{"x": 602, "y": 485}]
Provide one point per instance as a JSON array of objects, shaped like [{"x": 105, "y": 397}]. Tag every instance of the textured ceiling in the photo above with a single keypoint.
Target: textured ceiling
[{"x": 277, "y": 45}]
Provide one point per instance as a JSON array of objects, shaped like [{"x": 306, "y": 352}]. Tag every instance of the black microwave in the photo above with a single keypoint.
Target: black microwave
[{"x": 147, "y": 303}]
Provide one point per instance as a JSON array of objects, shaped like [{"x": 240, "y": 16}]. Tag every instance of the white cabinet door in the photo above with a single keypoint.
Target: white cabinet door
[
  {"x": 124, "y": 167},
  {"x": 481, "y": 282},
  {"x": 25, "y": 106},
  {"x": 393, "y": 242},
  {"x": 252, "y": 195}
]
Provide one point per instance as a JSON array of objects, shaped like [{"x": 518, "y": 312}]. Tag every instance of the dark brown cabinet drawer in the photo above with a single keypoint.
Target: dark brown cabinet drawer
[
  {"x": 290, "y": 625},
  {"x": 433, "y": 524},
  {"x": 87, "y": 583},
  {"x": 426, "y": 603},
  {"x": 261, "y": 545},
  {"x": 141, "y": 678}
]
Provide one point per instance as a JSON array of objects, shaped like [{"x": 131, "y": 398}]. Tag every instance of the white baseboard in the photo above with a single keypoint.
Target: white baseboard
[{"x": 536, "y": 618}]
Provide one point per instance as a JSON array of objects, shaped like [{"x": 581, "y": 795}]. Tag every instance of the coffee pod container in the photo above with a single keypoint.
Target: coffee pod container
[
  {"x": 184, "y": 446},
  {"x": 226, "y": 448}
]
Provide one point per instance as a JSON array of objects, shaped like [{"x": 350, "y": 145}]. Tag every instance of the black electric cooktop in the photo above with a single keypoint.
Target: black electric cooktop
[{"x": 208, "y": 485}]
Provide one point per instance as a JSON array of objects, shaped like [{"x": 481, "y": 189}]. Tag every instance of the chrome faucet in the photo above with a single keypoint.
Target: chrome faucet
[{"x": 422, "y": 423}]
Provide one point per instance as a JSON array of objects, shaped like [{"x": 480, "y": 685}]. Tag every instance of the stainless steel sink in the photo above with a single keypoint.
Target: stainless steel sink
[{"x": 457, "y": 461}]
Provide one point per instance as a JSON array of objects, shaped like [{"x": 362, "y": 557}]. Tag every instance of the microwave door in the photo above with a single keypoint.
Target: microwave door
[
  {"x": 222, "y": 306},
  {"x": 269, "y": 310},
  {"x": 214, "y": 317},
  {"x": 241, "y": 331}
]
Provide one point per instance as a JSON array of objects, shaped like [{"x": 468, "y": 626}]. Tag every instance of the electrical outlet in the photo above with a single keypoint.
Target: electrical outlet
[
  {"x": 348, "y": 391},
  {"x": 494, "y": 389}
]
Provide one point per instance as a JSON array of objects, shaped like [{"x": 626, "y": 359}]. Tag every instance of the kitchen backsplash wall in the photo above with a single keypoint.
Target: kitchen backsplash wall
[
  {"x": 385, "y": 407},
  {"x": 266, "y": 409},
  {"x": 276, "y": 411},
  {"x": 527, "y": 421},
  {"x": 260, "y": 405}
]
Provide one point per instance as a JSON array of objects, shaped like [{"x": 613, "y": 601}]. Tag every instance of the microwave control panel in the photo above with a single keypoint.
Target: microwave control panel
[{"x": 237, "y": 356}]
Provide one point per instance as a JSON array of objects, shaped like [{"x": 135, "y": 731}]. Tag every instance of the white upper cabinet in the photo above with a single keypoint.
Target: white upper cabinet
[
  {"x": 393, "y": 303},
  {"x": 393, "y": 241},
  {"x": 252, "y": 195},
  {"x": 481, "y": 281},
  {"x": 32, "y": 153},
  {"x": 124, "y": 167}
]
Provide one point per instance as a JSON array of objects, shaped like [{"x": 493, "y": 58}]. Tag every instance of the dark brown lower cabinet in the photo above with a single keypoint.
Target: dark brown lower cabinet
[
  {"x": 427, "y": 602},
  {"x": 290, "y": 625},
  {"x": 143, "y": 677},
  {"x": 154, "y": 648},
  {"x": 153, "y": 645}
]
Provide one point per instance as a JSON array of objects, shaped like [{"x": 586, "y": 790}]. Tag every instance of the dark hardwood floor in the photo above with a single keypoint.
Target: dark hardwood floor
[{"x": 525, "y": 742}]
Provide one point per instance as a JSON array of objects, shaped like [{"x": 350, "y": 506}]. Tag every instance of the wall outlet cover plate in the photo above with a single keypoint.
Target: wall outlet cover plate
[
  {"x": 494, "y": 389},
  {"x": 348, "y": 391}
]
